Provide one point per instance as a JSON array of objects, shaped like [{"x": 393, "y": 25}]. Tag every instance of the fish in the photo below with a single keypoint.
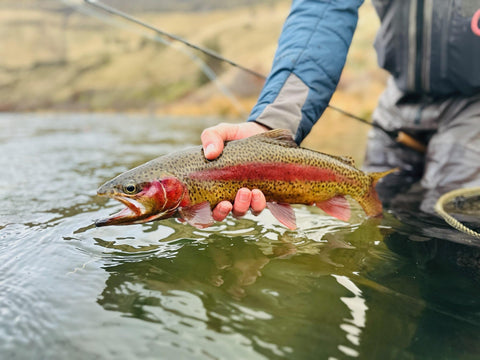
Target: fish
[{"x": 187, "y": 186}]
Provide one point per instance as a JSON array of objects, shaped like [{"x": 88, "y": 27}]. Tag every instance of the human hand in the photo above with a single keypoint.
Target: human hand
[{"x": 213, "y": 139}]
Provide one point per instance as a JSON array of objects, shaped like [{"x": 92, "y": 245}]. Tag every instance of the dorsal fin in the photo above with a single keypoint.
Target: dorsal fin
[{"x": 282, "y": 136}]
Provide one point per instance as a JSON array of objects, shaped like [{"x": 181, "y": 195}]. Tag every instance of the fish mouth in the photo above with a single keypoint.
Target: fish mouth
[{"x": 133, "y": 213}]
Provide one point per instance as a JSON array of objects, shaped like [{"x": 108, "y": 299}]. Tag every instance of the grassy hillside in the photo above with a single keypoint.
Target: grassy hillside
[{"x": 72, "y": 59}]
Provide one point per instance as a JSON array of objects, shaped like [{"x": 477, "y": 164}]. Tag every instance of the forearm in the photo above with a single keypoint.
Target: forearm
[{"x": 310, "y": 57}]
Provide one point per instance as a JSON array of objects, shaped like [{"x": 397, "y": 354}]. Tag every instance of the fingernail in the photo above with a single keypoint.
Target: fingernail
[
  {"x": 243, "y": 196},
  {"x": 224, "y": 210},
  {"x": 209, "y": 149}
]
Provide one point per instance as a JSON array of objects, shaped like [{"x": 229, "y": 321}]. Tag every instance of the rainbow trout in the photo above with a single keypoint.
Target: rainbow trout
[{"x": 187, "y": 185}]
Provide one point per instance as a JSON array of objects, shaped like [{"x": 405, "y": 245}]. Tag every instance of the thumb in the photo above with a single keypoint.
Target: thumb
[
  {"x": 213, "y": 138},
  {"x": 212, "y": 144}
]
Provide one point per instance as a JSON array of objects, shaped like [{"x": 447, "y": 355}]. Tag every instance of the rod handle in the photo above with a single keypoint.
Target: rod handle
[{"x": 410, "y": 142}]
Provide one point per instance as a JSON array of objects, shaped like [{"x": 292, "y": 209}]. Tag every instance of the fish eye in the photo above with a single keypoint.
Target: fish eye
[{"x": 130, "y": 188}]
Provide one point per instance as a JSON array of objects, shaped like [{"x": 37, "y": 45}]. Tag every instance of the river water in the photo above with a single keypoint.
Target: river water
[{"x": 395, "y": 288}]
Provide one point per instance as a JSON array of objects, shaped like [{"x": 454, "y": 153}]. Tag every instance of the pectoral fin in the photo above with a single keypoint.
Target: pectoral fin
[
  {"x": 199, "y": 215},
  {"x": 337, "y": 206},
  {"x": 283, "y": 213}
]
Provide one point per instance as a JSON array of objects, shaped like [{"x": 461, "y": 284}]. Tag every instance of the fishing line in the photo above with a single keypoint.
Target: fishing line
[
  {"x": 206, "y": 51},
  {"x": 449, "y": 219}
]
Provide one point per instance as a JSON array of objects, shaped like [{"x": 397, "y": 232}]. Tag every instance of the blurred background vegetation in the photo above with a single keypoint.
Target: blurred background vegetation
[{"x": 63, "y": 55}]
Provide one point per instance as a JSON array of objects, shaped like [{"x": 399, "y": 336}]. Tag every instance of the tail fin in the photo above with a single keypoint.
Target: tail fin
[
  {"x": 378, "y": 175},
  {"x": 370, "y": 202}
]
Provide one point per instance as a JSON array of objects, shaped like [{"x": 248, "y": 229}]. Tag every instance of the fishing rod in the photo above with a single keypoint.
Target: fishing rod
[{"x": 398, "y": 136}]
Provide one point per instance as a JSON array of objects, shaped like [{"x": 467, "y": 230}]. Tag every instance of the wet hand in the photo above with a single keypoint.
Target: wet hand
[
  {"x": 244, "y": 200},
  {"x": 213, "y": 139}
]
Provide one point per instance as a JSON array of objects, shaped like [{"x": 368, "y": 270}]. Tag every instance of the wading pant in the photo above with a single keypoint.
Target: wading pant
[{"x": 451, "y": 129}]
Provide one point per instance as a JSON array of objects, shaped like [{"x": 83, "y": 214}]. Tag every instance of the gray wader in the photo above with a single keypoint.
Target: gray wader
[{"x": 451, "y": 128}]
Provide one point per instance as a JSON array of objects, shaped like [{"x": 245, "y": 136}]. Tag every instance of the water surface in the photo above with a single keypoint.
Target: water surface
[{"x": 404, "y": 287}]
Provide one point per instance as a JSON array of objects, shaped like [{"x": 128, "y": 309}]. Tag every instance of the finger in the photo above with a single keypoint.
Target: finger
[
  {"x": 221, "y": 211},
  {"x": 214, "y": 137},
  {"x": 258, "y": 202},
  {"x": 242, "y": 202},
  {"x": 212, "y": 144}
]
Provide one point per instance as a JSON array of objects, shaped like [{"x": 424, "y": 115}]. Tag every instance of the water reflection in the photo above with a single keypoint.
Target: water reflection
[
  {"x": 263, "y": 289},
  {"x": 283, "y": 295},
  {"x": 354, "y": 325}
]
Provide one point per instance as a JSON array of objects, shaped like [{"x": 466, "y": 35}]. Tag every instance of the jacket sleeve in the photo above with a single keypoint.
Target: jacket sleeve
[{"x": 310, "y": 56}]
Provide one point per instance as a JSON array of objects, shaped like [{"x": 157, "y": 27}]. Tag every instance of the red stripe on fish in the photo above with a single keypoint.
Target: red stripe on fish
[{"x": 268, "y": 172}]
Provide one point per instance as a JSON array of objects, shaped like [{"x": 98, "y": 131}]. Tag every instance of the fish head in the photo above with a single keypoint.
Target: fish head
[{"x": 145, "y": 199}]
